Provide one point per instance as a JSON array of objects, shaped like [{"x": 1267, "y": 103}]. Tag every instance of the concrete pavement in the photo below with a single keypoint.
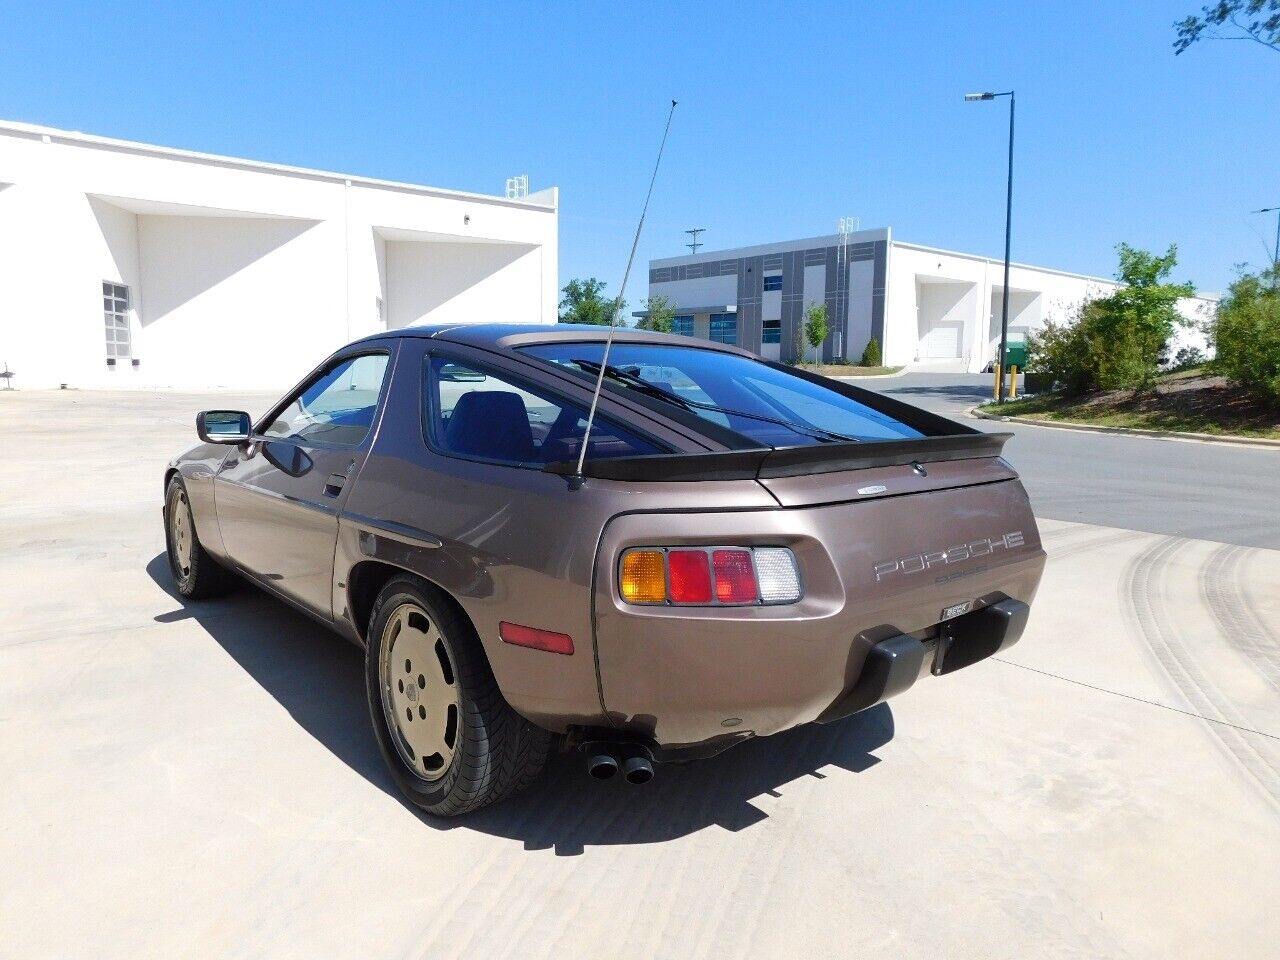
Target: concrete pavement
[{"x": 199, "y": 780}]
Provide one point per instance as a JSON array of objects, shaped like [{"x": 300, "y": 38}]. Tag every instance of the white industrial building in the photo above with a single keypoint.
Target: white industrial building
[
  {"x": 928, "y": 308},
  {"x": 129, "y": 265}
]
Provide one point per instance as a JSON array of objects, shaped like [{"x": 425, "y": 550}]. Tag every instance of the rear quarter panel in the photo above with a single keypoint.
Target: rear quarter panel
[{"x": 513, "y": 544}]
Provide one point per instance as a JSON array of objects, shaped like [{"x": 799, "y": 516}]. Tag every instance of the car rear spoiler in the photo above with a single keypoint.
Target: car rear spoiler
[{"x": 765, "y": 463}]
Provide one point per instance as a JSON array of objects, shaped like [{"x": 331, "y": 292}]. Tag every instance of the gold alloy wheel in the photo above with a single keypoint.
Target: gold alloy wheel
[
  {"x": 180, "y": 533},
  {"x": 419, "y": 691}
]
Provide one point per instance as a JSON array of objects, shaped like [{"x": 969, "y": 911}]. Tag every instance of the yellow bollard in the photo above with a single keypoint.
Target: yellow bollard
[
  {"x": 1013, "y": 382},
  {"x": 995, "y": 390}
]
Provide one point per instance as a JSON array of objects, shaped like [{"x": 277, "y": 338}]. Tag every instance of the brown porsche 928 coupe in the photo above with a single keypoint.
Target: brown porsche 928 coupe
[{"x": 747, "y": 547}]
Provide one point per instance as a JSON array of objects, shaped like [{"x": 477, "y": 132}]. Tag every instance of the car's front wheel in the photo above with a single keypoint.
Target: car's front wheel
[
  {"x": 197, "y": 575},
  {"x": 451, "y": 741}
]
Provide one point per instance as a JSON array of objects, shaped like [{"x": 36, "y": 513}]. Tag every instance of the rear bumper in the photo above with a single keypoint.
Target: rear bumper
[
  {"x": 894, "y": 664},
  {"x": 687, "y": 678}
]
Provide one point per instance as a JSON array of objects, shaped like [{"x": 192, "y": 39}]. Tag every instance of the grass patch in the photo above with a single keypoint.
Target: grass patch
[
  {"x": 1187, "y": 402},
  {"x": 847, "y": 370},
  {"x": 1189, "y": 374}
]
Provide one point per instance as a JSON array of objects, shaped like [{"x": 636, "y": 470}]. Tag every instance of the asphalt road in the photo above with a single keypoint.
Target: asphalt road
[{"x": 1210, "y": 491}]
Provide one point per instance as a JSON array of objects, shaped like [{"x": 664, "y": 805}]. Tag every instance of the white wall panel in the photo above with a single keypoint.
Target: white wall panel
[
  {"x": 461, "y": 283},
  {"x": 241, "y": 274},
  {"x": 1036, "y": 296},
  {"x": 700, "y": 292}
]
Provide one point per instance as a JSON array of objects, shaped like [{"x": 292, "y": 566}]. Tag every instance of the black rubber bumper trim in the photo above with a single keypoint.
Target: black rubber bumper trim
[
  {"x": 983, "y": 633},
  {"x": 891, "y": 668},
  {"x": 894, "y": 664}
]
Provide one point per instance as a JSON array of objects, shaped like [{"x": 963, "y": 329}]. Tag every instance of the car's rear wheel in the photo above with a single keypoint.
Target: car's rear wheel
[
  {"x": 451, "y": 741},
  {"x": 197, "y": 575}
]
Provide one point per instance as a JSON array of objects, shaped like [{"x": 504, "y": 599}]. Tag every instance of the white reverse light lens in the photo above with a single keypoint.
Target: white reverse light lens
[{"x": 777, "y": 574}]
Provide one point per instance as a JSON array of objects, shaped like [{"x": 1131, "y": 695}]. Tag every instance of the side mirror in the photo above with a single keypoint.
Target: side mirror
[{"x": 223, "y": 426}]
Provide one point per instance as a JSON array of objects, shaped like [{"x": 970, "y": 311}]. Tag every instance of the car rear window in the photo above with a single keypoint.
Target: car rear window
[{"x": 765, "y": 404}]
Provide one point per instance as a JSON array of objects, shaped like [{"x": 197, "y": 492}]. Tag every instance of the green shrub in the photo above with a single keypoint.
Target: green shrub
[
  {"x": 1246, "y": 336},
  {"x": 1125, "y": 353},
  {"x": 1115, "y": 342},
  {"x": 871, "y": 355},
  {"x": 1092, "y": 352},
  {"x": 1188, "y": 358},
  {"x": 1061, "y": 351}
]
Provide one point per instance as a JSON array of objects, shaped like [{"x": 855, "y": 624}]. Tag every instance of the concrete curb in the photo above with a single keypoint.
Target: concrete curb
[
  {"x": 1130, "y": 431},
  {"x": 876, "y": 376}
]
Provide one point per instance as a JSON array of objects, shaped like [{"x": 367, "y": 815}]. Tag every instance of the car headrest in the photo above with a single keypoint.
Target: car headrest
[{"x": 492, "y": 424}]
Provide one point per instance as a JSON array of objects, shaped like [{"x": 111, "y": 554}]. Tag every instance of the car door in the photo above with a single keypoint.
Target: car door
[{"x": 278, "y": 497}]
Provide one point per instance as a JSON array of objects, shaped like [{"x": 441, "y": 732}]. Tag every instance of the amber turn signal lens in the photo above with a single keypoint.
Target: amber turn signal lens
[{"x": 643, "y": 578}]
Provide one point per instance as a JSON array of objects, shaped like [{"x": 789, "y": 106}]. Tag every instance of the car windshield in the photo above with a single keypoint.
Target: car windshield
[{"x": 762, "y": 403}]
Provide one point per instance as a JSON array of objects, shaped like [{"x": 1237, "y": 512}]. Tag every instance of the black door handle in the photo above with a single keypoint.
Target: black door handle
[{"x": 333, "y": 485}]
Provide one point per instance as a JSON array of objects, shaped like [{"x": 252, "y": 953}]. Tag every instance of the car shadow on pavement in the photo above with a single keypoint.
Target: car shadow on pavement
[
  {"x": 567, "y": 812},
  {"x": 319, "y": 679},
  {"x": 317, "y": 676}
]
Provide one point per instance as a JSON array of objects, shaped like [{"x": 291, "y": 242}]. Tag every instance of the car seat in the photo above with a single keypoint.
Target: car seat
[{"x": 493, "y": 424}]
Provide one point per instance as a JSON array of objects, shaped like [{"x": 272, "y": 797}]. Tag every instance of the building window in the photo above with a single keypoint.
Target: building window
[
  {"x": 772, "y": 282},
  {"x": 724, "y": 328},
  {"x": 772, "y": 332},
  {"x": 682, "y": 325},
  {"x": 115, "y": 311}
]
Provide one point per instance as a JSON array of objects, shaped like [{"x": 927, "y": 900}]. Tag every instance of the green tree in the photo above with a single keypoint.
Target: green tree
[
  {"x": 1246, "y": 335},
  {"x": 815, "y": 324},
  {"x": 661, "y": 315},
  {"x": 1135, "y": 323},
  {"x": 1116, "y": 342},
  {"x": 1256, "y": 20},
  {"x": 583, "y": 303}
]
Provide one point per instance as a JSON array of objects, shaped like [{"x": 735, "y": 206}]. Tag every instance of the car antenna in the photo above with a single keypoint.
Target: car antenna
[{"x": 617, "y": 310}]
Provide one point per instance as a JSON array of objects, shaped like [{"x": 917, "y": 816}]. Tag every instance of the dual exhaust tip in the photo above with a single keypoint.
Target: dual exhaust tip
[{"x": 636, "y": 769}]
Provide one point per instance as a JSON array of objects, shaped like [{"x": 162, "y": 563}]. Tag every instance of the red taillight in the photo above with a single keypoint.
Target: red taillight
[
  {"x": 537, "y": 639},
  {"x": 735, "y": 577},
  {"x": 690, "y": 576},
  {"x": 697, "y": 576}
]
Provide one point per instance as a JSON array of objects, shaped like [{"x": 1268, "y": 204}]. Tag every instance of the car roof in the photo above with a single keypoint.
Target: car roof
[{"x": 509, "y": 336}]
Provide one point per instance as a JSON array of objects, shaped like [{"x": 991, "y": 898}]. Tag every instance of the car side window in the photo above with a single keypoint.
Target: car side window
[
  {"x": 476, "y": 413},
  {"x": 336, "y": 407}
]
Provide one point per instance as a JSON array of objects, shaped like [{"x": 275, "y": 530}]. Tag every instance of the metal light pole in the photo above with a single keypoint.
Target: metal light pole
[
  {"x": 1275, "y": 251},
  {"x": 1008, "y": 233}
]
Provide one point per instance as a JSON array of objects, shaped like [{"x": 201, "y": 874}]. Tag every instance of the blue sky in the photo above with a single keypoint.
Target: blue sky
[{"x": 791, "y": 115}]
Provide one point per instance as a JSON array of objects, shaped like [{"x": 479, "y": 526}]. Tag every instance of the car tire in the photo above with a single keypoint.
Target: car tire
[
  {"x": 196, "y": 574},
  {"x": 424, "y": 661}
]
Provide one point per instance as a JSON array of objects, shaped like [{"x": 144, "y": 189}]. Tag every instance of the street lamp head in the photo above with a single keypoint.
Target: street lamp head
[{"x": 979, "y": 96}]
